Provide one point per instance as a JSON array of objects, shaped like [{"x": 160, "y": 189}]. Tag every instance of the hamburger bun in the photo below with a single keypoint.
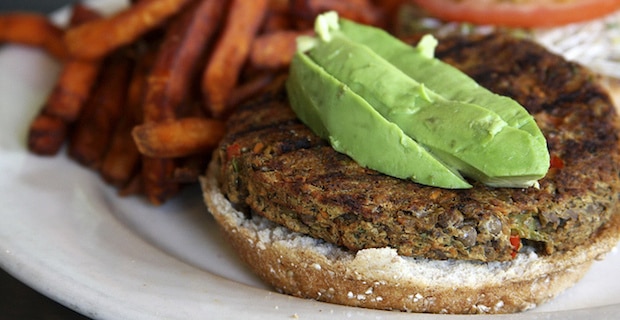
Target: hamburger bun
[{"x": 305, "y": 267}]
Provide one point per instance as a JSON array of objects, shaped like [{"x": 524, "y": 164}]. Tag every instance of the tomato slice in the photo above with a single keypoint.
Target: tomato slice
[{"x": 524, "y": 13}]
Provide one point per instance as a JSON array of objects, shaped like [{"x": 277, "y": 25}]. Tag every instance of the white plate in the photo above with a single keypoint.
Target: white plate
[{"x": 66, "y": 234}]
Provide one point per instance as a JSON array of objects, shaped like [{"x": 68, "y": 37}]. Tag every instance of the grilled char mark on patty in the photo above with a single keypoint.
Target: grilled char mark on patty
[{"x": 274, "y": 166}]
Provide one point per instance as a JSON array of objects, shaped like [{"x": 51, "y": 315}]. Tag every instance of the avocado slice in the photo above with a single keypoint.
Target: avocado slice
[
  {"x": 472, "y": 139},
  {"x": 438, "y": 75},
  {"x": 355, "y": 128},
  {"x": 454, "y": 123}
]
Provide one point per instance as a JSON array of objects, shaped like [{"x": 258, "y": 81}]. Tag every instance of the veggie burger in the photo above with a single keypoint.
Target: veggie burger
[{"x": 477, "y": 174}]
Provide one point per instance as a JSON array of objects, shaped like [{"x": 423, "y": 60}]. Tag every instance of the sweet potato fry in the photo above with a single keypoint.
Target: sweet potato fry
[
  {"x": 72, "y": 88},
  {"x": 275, "y": 50},
  {"x": 250, "y": 88},
  {"x": 49, "y": 129},
  {"x": 277, "y": 17},
  {"x": 388, "y": 6},
  {"x": 81, "y": 14},
  {"x": 99, "y": 38},
  {"x": 390, "y": 10},
  {"x": 76, "y": 78},
  {"x": 230, "y": 53},
  {"x": 183, "y": 47},
  {"x": 33, "y": 29},
  {"x": 178, "y": 138},
  {"x": 47, "y": 135},
  {"x": 276, "y": 21},
  {"x": 135, "y": 186},
  {"x": 189, "y": 169},
  {"x": 122, "y": 159},
  {"x": 93, "y": 128},
  {"x": 160, "y": 173},
  {"x": 280, "y": 6},
  {"x": 363, "y": 11}
]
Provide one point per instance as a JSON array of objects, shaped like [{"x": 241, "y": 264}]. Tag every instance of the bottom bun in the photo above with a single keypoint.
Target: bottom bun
[{"x": 305, "y": 267}]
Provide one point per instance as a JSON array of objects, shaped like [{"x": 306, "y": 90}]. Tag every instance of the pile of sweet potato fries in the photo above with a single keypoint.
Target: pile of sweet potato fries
[{"x": 143, "y": 94}]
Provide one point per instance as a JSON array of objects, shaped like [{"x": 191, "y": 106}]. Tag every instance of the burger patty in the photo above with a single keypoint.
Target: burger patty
[{"x": 274, "y": 166}]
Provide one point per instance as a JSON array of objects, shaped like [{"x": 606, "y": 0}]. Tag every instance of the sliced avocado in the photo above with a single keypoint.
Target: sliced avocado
[
  {"x": 355, "y": 128},
  {"x": 438, "y": 75},
  {"x": 379, "y": 100},
  {"x": 462, "y": 134}
]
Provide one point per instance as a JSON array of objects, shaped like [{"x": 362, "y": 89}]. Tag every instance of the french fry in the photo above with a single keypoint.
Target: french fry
[
  {"x": 230, "y": 53},
  {"x": 182, "y": 49},
  {"x": 46, "y": 135},
  {"x": 178, "y": 138},
  {"x": 275, "y": 50},
  {"x": 191, "y": 168},
  {"x": 278, "y": 17},
  {"x": 49, "y": 129},
  {"x": 122, "y": 159},
  {"x": 135, "y": 186},
  {"x": 280, "y": 6},
  {"x": 250, "y": 88},
  {"x": 390, "y": 10},
  {"x": 161, "y": 171},
  {"x": 302, "y": 14},
  {"x": 81, "y": 14},
  {"x": 179, "y": 55},
  {"x": 276, "y": 21},
  {"x": 363, "y": 11},
  {"x": 33, "y": 29},
  {"x": 72, "y": 88},
  {"x": 76, "y": 77},
  {"x": 93, "y": 129},
  {"x": 389, "y": 6},
  {"x": 99, "y": 38}
]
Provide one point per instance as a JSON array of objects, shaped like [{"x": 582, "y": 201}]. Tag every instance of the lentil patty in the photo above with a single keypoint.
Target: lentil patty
[{"x": 274, "y": 166}]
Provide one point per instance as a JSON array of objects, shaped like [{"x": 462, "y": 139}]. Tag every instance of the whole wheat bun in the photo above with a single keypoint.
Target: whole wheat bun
[{"x": 305, "y": 267}]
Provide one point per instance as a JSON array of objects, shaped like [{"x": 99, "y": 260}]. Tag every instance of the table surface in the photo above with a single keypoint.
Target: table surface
[
  {"x": 45, "y": 6},
  {"x": 18, "y": 300}
]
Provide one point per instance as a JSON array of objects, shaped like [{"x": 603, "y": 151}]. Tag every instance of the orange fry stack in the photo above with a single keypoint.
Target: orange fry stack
[
  {"x": 169, "y": 83},
  {"x": 143, "y": 94},
  {"x": 101, "y": 112}
]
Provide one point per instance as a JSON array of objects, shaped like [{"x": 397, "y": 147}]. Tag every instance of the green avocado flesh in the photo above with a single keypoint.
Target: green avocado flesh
[
  {"x": 354, "y": 128},
  {"x": 434, "y": 72},
  {"x": 395, "y": 109}
]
